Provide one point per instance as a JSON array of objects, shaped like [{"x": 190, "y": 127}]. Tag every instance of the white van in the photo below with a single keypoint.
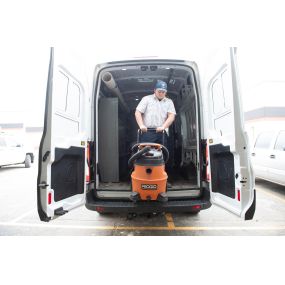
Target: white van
[
  {"x": 89, "y": 132},
  {"x": 268, "y": 156}
]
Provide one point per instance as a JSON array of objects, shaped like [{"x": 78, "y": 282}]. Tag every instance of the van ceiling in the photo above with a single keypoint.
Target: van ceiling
[{"x": 137, "y": 81}]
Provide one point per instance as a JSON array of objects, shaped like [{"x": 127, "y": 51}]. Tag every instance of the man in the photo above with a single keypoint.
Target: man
[{"x": 155, "y": 112}]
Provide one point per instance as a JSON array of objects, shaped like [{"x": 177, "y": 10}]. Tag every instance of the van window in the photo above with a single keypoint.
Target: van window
[
  {"x": 61, "y": 88},
  {"x": 222, "y": 95},
  {"x": 280, "y": 142},
  {"x": 227, "y": 87},
  {"x": 220, "y": 88},
  {"x": 73, "y": 100},
  {"x": 218, "y": 97},
  {"x": 263, "y": 140},
  {"x": 68, "y": 99}
]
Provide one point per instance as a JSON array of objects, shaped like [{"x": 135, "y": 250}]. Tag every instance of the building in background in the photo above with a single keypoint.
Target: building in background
[
  {"x": 264, "y": 119},
  {"x": 15, "y": 123},
  {"x": 266, "y": 109}
]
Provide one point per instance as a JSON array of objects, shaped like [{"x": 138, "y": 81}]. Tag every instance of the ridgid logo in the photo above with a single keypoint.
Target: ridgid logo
[{"x": 149, "y": 186}]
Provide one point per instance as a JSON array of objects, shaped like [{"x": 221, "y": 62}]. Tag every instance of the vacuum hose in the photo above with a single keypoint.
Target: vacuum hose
[
  {"x": 138, "y": 154},
  {"x": 165, "y": 153},
  {"x": 145, "y": 150}
]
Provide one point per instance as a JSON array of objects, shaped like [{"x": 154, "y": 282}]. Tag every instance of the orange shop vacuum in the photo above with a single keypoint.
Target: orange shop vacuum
[{"x": 149, "y": 179}]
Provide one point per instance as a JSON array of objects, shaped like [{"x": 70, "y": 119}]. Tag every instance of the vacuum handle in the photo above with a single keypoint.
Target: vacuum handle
[{"x": 151, "y": 129}]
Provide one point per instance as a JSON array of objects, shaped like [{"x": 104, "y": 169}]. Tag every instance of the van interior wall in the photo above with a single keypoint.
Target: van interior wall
[
  {"x": 183, "y": 135},
  {"x": 182, "y": 142}
]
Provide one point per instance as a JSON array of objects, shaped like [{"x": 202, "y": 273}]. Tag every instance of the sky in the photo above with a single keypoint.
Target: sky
[
  {"x": 23, "y": 74},
  {"x": 114, "y": 30}
]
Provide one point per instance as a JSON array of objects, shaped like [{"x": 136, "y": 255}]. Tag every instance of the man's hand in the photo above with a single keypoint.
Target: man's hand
[
  {"x": 143, "y": 128},
  {"x": 159, "y": 129}
]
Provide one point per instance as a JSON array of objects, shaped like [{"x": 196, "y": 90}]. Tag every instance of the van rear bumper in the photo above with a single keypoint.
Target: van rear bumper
[{"x": 104, "y": 206}]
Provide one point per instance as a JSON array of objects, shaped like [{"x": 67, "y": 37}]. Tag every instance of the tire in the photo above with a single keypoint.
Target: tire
[{"x": 28, "y": 161}]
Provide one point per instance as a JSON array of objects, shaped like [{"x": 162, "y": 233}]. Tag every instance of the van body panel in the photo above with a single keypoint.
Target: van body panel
[
  {"x": 232, "y": 179},
  {"x": 62, "y": 154}
]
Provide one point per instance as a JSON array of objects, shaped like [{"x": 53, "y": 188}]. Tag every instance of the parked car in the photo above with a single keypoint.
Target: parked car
[
  {"x": 12, "y": 151},
  {"x": 268, "y": 156}
]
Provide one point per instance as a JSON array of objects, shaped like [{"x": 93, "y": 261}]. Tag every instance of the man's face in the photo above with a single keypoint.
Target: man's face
[{"x": 160, "y": 94}]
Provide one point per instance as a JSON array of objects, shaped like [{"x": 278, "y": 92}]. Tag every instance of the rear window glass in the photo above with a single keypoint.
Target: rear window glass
[
  {"x": 218, "y": 97},
  {"x": 280, "y": 142},
  {"x": 263, "y": 140}
]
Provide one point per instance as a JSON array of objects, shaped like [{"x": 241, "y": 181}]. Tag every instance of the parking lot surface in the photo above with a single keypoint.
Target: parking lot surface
[{"x": 18, "y": 215}]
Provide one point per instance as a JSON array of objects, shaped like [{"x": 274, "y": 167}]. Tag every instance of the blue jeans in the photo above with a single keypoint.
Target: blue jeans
[{"x": 151, "y": 136}]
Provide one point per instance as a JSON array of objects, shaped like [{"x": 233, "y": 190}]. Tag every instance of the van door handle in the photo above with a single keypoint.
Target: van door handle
[
  {"x": 253, "y": 154},
  {"x": 272, "y": 156}
]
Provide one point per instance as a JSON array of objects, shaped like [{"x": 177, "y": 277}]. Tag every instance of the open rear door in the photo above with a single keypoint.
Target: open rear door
[
  {"x": 62, "y": 155},
  {"x": 231, "y": 177}
]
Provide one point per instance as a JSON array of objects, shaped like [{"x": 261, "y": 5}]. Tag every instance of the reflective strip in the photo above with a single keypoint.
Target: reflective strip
[
  {"x": 208, "y": 176},
  {"x": 88, "y": 163}
]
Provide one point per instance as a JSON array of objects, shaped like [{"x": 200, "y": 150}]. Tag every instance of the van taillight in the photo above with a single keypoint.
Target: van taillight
[
  {"x": 196, "y": 207},
  {"x": 100, "y": 209},
  {"x": 49, "y": 198},
  {"x": 238, "y": 195}
]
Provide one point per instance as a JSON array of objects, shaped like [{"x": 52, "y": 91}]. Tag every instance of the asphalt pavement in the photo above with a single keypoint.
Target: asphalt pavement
[{"x": 19, "y": 217}]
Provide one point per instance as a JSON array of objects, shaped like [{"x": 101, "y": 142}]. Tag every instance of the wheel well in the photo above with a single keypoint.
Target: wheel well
[{"x": 31, "y": 155}]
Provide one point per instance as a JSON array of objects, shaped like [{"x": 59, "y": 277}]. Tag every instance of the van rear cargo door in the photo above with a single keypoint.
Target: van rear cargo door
[
  {"x": 62, "y": 154},
  {"x": 230, "y": 173}
]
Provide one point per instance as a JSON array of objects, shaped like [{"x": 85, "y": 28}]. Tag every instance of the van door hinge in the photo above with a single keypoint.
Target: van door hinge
[
  {"x": 43, "y": 185},
  {"x": 60, "y": 212}
]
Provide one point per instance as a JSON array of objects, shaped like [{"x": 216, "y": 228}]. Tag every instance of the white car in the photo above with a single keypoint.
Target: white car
[
  {"x": 268, "y": 156},
  {"x": 14, "y": 152}
]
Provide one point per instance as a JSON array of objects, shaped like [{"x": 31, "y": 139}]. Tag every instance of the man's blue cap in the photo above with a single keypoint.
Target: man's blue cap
[{"x": 161, "y": 85}]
